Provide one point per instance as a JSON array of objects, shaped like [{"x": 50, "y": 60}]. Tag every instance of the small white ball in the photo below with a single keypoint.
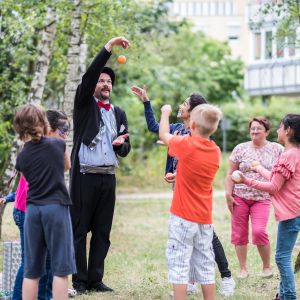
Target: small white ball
[{"x": 236, "y": 176}]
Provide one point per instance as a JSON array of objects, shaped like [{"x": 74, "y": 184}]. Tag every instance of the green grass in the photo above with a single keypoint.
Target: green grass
[{"x": 136, "y": 264}]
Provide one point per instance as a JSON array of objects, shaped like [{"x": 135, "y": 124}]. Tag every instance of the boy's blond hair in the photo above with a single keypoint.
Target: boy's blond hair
[{"x": 206, "y": 118}]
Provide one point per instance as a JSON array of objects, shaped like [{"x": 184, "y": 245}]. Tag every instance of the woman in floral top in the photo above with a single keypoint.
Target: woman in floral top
[
  {"x": 244, "y": 201},
  {"x": 283, "y": 183}
]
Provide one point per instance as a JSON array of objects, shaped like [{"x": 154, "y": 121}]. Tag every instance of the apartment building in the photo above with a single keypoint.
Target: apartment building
[
  {"x": 223, "y": 20},
  {"x": 272, "y": 64}
]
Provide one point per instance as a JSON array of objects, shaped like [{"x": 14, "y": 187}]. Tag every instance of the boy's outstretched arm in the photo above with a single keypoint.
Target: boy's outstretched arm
[
  {"x": 164, "y": 125},
  {"x": 141, "y": 93}
]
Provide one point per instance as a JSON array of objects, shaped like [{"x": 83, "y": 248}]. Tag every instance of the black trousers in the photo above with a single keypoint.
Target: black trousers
[
  {"x": 220, "y": 257},
  {"x": 97, "y": 196}
]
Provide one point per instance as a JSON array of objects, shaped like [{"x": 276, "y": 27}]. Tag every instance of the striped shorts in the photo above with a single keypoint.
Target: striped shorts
[{"x": 189, "y": 252}]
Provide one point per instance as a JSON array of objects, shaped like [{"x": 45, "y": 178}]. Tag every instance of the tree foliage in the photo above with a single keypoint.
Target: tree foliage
[
  {"x": 285, "y": 15},
  {"x": 167, "y": 56}
]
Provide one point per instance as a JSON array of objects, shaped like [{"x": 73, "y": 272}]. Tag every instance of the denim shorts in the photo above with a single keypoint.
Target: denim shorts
[
  {"x": 189, "y": 252},
  {"x": 48, "y": 227}
]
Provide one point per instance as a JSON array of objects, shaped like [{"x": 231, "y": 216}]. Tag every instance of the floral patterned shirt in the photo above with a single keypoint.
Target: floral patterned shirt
[{"x": 243, "y": 155}]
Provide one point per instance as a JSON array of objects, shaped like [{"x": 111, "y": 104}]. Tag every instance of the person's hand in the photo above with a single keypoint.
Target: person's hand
[
  {"x": 230, "y": 203},
  {"x": 170, "y": 177},
  {"x": 141, "y": 93},
  {"x": 120, "y": 140},
  {"x": 117, "y": 41},
  {"x": 237, "y": 177},
  {"x": 160, "y": 142},
  {"x": 166, "y": 109},
  {"x": 2, "y": 201},
  {"x": 255, "y": 165}
]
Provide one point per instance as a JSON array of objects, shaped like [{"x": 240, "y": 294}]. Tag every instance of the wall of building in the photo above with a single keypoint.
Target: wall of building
[{"x": 224, "y": 20}]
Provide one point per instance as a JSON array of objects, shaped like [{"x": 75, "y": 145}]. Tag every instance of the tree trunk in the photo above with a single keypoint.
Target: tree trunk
[
  {"x": 73, "y": 76},
  {"x": 76, "y": 67},
  {"x": 35, "y": 96},
  {"x": 45, "y": 50}
]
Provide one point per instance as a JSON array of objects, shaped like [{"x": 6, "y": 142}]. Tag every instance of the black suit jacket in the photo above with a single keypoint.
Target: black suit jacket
[{"x": 86, "y": 118}]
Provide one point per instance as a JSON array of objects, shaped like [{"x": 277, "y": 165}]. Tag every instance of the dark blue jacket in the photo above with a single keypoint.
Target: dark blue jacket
[{"x": 153, "y": 126}]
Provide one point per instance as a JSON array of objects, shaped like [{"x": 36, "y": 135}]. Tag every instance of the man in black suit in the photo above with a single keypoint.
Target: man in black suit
[{"x": 100, "y": 135}]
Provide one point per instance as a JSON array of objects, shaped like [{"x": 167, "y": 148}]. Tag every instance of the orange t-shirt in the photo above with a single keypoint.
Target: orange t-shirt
[{"x": 198, "y": 162}]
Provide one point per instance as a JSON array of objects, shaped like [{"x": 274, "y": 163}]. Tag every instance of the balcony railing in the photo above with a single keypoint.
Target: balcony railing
[{"x": 281, "y": 77}]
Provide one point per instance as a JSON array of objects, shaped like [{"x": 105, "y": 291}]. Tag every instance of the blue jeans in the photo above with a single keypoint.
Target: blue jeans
[
  {"x": 45, "y": 282},
  {"x": 286, "y": 239}
]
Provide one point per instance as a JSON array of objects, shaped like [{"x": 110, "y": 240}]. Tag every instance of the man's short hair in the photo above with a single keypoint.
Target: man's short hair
[
  {"x": 196, "y": 99},
  {"x": 109, "y": 72},
  {"x": 206, "y": 118}
]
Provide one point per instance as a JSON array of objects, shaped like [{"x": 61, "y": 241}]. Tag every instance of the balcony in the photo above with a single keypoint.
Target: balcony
[{"x": 274, "y": 77}]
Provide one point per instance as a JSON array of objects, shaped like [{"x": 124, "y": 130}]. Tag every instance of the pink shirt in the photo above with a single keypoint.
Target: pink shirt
[
  {"x": 21, "y": 194},
  {"x": 283, "y": 185},
  {"x": 243, "y": 155}
]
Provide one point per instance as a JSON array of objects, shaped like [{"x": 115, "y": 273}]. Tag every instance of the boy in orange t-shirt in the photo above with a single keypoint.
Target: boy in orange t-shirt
[{"x": 190, "y": 226}]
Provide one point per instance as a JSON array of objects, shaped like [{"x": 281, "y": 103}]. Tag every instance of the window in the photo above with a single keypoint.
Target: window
[
  {"x": 221, "y": 8},
  {"x": 268, "y": 45},
  {"x": 176, "y": 8},
  {"x": 205, "y": 9},
  {"x": 213, "y": 10},
  {"x": 234, "y": 32},
  {"x": 198, "y": 11},
  {"x": 280, "y": 47},
  {"x": 190, "y": 8},
  {"x": 291, "y": 43},
  {"x": 257, "y": 45},
  {"x": 183, "y": 9},
  {"x": 228, "y": 8}
]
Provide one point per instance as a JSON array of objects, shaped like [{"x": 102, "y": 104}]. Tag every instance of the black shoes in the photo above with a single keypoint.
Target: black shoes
[
  {"x": 80, "y": 289},
  {"x": 101, "y": 287}
]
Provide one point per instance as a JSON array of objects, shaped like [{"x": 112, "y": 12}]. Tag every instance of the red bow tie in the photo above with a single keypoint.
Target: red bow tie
[{"x": 106, "y": 106}]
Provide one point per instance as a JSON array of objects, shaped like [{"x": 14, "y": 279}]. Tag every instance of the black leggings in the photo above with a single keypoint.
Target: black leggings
[{"x": 220, "y": 257}]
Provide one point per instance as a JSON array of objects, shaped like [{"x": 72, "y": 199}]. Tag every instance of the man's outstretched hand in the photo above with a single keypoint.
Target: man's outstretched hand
[
  {"x": 141, "y": 93},
  {"x": 117, "y": 41}
]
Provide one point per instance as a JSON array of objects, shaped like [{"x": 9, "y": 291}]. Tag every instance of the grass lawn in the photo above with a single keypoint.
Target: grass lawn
[{"x": 136, "y": 265}]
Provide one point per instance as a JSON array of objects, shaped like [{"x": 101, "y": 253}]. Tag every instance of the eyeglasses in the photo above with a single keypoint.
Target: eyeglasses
[
  {"x": 256, "y": 129},
  {"x": 64, "y": 131}
]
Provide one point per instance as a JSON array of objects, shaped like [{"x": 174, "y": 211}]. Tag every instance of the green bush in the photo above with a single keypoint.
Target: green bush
[
  {"x": 6, "y": 138},
  {"x": 143, "y": 169},
  {"x": 239, "y": 115}
]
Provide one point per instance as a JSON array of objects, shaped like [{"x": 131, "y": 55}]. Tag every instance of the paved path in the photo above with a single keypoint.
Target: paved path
[{"x": 155, "y": 196}]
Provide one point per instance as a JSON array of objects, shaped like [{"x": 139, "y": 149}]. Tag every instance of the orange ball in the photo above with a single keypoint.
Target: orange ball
[{"x": 121, "y": 59}]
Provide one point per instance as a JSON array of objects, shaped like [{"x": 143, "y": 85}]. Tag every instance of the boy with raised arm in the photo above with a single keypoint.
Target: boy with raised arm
[{"x": 190, "y": 226}]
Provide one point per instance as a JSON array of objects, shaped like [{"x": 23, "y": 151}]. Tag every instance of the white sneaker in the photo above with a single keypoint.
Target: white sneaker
[
  {"x": 192, "y": 289},
  {"x": 72, "y": 293},
  {"x": 227, "y": 286}
]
